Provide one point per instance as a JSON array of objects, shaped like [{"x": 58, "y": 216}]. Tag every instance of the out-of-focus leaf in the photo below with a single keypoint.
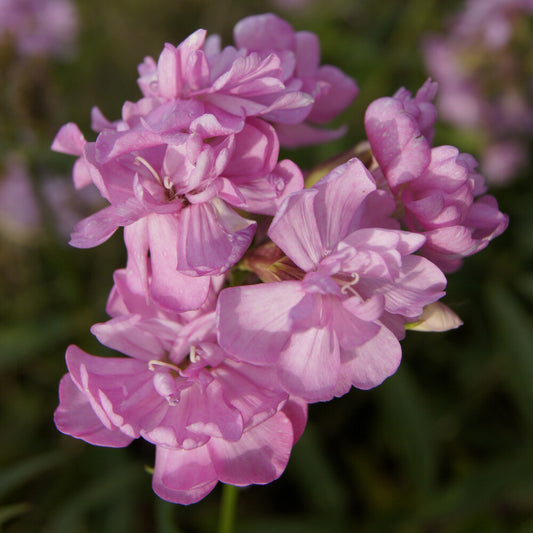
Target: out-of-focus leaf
[
  {"x": 102, "y": 491},
  {"x": 8, "y": 512},
  {"x": 21, "y": 342},
  {"x": 407, "y": 428},
  {"x": 15, "y": 476},
  {"x": 478, "y": 491},
  {"x": 292, "y": 525},
  {"x": 525, "y": 286},
  {"x": 166, "y": 517},
  {"x": 515, "y": 337},
  {"x": 316, "y": 477}
]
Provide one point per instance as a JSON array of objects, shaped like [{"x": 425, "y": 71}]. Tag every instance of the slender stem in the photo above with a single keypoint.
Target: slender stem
[{"x": 228, "y": 508}]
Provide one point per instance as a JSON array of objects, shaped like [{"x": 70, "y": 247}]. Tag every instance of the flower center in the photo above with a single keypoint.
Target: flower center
[
  {"x": 346, "y": 282},
  {"x": 164, "y": 181}
]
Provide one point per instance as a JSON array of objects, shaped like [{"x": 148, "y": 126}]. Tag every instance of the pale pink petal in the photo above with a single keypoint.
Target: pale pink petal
[
  {"x": 402, "y": 152},
  {"x": 75, "y": 417},
  {"x": 217, "y": 418},
  {"x": 171, "y": 288},
  {"x": 81, "y": 174},
  {"x": 212, "y": 238},
  {"x": 342, "y": 192},
  {"x": 307, "y": 53},
  {"x": 296, "y": 410},
  {"x": 254, "y": 322},
  {"x": 267, "y": 31},
  {"x": 309, "y": 365},
  {"x": 120, "y": 390},
  {"x": 265, "y": 194},
  {"x": 295, "y": 230},
  {"x": 69, "y": 140},
  {"x": 252, "y": 390},
  {"x": 256, "y": 150},
  {"x": 259, "y": 457},
  {"x": 342, "y": 91},
  {"x": 137, "y": 337},
  {"x": 370, "y": 364},
  {"x": 183, "y": 476},
  {"x": 304, "y": 134},
  {"x": 97, "y": 228}
]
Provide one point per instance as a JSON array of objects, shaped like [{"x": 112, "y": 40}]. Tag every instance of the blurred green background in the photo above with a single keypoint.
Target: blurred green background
[{"x": 445, "y": 445}]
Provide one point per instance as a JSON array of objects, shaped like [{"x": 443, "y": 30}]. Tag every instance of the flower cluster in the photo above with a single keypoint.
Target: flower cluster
[
  {"x": 486, "y": 84},
  {"x": 218, "y": 375}
]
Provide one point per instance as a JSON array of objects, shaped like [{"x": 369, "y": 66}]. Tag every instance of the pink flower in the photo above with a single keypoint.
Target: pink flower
[
  {"x": 258, "y": 457},
  {"x": 299, "y": 52},
  {"x": 438, "y": 191},
  {"x": 211, "y": 417},
  {"x": 172, "y": 163},
  {"x": 232, "y": 84},
  {"x": 338, "y": 323}
]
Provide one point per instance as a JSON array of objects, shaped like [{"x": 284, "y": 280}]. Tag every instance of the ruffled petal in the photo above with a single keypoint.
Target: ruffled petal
[
  {"x": 212, "y": 238},
  {"x": 183, "y": 476},
  {"x": 402, "y": 152},
  {"x": 371, "y": 363},
  {"x": 259, "y": 457},
  {"x": 309, "y": 366},
  {"x": 170, "y": 287},
  {"x": 254, "y": 322},
  {"x": 75, "y": 417},
  {"x": 69, "y": 140},
  {"x": 97, "y": 228},
  {"x": 295, "y": 230}
]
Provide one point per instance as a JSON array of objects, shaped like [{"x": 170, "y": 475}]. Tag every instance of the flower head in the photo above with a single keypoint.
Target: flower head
[{"x": 338, "y": 322}]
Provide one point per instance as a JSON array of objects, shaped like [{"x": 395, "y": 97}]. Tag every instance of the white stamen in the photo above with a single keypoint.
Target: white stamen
[
  {"x": 348, "y": 286},
  {"x": 150, "y": 168},
  {"x": 152, "y": 364},
  {"x": 193, "y": 356}
]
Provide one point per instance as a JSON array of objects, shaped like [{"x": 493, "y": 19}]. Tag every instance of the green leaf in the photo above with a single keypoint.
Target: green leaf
[
  {"x": 408, "y": 428},
  {"x": 514, "y": 335},
  {"x": 16, "y": 476},
  {"x": 8, "y": 512},
  {"x": 315, "y": 475},
  {"x": 480, "y": 490}
]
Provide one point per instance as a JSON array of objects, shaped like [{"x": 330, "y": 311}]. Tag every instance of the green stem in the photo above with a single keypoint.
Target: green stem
[{"x": 228, "y": 507}]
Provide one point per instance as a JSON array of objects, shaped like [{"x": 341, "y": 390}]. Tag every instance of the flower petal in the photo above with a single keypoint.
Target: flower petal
[
  {"x": 75, "y": 417},
  {"x": 259, "y": 457},
  {"x": 183, "y": 476}
]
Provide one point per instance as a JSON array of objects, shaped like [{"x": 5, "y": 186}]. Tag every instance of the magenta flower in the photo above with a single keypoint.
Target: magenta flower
[
  {"x": 299, "y": 52},
  {"x": 338, "y": 323},
  {"x": 438, "y": 190}
]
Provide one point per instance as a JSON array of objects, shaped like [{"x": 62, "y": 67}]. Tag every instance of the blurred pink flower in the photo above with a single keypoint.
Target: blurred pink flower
[
  {"x": 39, "y": 27},
  {"x": 485, "y": 83},
  {"x": 20, "y": 214}
]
